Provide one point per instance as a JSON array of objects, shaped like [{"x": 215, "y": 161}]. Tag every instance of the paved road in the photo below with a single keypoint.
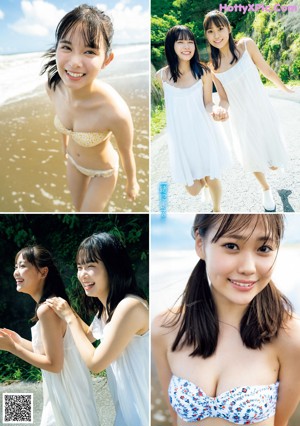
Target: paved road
[
  {"x": 241, "y": 192},
  {"x": 104, "y": 402}
]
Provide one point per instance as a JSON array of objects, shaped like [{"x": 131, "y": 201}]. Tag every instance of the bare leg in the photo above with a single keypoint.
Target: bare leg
[
  {"x": 262, "y": 180},
  {"x": 215, "y": 189},
  {"x": 77, "y": 184},
  {"x": 196, "y": 187},
  {"x": 98, "y": 193}
]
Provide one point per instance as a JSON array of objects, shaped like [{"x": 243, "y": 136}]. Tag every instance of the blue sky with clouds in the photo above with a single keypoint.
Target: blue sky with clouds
[{"x": 29, "y": 25}]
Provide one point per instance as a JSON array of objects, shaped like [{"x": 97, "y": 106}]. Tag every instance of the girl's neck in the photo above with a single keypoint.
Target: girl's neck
[
  {"x": 225, "y": 51},
  {"x": 228, "y": 312},
  {"x": 184, "y": 67},
  {"x": 80, "y": 94}
]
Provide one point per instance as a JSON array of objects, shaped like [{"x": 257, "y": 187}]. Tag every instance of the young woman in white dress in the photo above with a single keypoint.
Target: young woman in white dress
[
  {"x": 197, "y": 150},
  {"x": 255, "y": 127},
  {"x": 121, "y": 323},
  {"x": 67, "y": 386}
]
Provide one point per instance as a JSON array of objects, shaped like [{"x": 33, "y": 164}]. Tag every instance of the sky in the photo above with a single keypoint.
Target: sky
[
  {"x": 174, "y": 232},
  {"x": 29, "y": 25}
]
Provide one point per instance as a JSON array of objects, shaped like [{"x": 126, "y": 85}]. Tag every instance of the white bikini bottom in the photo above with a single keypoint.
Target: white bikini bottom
[{"x": 95, "y": 173}]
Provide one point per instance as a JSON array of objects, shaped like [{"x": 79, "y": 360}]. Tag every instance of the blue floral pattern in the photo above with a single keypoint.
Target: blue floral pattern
[{"x": 240, "y": 405}]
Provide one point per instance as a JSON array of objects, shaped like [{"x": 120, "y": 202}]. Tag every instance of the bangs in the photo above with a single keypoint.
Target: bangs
[
  {"x": 217, "y": 19},
  {"x": 87, "y": 254},
  {"x": 236, "y": 223},
  {"x": 184, "y": 34},
  {"x": 27, "y": 253},
  {"x": 90, "y": 33}
]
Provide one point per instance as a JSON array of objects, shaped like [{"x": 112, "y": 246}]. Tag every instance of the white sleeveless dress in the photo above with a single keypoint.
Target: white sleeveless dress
[
  {"x": 257, "y": 136},
  {"x": 128, "y": 378},
  {"x": 197, "y": 145},
  {"x": 68, "y": 395}
]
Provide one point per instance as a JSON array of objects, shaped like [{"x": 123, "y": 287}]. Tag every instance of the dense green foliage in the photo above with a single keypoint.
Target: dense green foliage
[
  {"x": 61, "y": 234},
  {"x": 276, "y": 33}
]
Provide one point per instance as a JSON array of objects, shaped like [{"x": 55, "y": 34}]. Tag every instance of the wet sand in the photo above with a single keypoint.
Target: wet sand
[{"x": 32, "y": 167}]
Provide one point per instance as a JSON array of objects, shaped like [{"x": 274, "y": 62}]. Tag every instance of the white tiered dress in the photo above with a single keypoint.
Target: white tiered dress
[
  {"x": 68, "y": 395},
  {"x": 128, "y": 378},
  {"x": 197, "y": 145},
  {"x": 257, "y": 136}
]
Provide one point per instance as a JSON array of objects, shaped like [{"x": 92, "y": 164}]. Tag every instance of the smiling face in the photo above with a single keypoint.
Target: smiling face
[
  {"x": 218, "y": 36},
  {"x": 28, "y": 278},
  {"x": 184, "y": 49},
  {"x": 94, "y": 279},
  {"x": 239, "y": 264},
  {"x": 78, "y": 65}
]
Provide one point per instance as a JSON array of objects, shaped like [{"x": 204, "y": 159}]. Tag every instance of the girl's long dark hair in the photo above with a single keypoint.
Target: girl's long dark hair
[
  {"x": 40, "y": 257},
  {"x": 96, "y": 28},
  {"x": 197, "y": 319},
  {"x": 220, "y": 20},
  {"x": 181, "y": 32},
  {"x": 108, "y": 249}
]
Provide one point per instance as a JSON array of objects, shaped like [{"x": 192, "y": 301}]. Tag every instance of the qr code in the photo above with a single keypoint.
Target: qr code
[{"x": 17, "y": 408}]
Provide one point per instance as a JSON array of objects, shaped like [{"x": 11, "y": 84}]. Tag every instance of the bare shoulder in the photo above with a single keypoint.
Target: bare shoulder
[
  {"x": 113, "y": 106},
  {"x": 249, "y": 43},
  {"x": 289, "y": 336},
  {"x": 132, "y": 303},
  {"x": 244, "y": 40},
  {"x": 44, "y": 312},
  {"x": 163, "y": 72},
  {"x": 164, "y": 324}
]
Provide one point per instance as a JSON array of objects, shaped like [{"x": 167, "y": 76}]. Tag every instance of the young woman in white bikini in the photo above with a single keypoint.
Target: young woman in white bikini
[
  {"x": 88, "y": 111},
  {"x": 229, "y": 353}
]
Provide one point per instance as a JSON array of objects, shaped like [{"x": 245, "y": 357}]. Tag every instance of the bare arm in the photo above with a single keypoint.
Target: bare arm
[
  {"x": 264, "y": 67},
  {"x": 219, "y": 113},
  {"x": 52, "y": 338},
  {"x": 159, "y": 351},
  {"x": 65, "y": 141},
  {"x": 221, "y": 92},
  {"x": 130, "y": 318},
  {"x": 289, "y": 375},
  {"x": 27, "y": 344},
  {"x": 123, "y": 131}
]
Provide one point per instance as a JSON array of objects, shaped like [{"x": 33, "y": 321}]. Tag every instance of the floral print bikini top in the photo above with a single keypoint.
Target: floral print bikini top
[{"x": 240, "y": 405}]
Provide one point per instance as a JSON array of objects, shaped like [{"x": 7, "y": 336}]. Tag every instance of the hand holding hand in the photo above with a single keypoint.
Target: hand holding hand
[
  {"x": 61, "y": 308},
  {"x": 219, "y": 113}
]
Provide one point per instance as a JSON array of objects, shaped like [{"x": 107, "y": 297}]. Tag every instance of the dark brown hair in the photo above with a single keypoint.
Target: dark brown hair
[
  {"x": 219, "y": 20},
  {"x": 181, "y": 32},
  {"x": 40, "y": 257},
  {"x": 108, "y": 249},
  {"x": 96, "y": 26},
  {"x": 197, "y": 316}
]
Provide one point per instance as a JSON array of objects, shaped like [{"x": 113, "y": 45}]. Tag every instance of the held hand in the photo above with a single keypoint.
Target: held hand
[
  {"x": 132, "y": 190},
  {"x": 61, "y": 308},
  {"x": 6, "y": 342},
  {"x": 219, "y": 113}
]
